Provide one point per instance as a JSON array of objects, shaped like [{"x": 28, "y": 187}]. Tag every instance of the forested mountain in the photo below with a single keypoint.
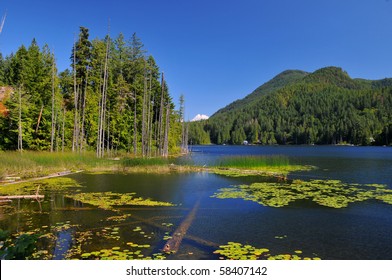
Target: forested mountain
[
  {"x": 295, "y": 107},
  {"x": 112, "y": 98}
]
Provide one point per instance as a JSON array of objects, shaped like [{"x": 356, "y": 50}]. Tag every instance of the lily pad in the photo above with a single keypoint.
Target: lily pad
[{"x": 329, "y": 193}]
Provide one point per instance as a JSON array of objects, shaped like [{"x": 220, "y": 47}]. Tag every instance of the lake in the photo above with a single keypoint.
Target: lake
[{"x": 362, "y": 230}]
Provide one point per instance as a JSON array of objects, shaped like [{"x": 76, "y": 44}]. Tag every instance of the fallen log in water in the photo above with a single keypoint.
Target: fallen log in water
[
  {"x": 34, "y": 196},
  {"x": 174, "y": 243},
  {"x": 9, "y": 197}
]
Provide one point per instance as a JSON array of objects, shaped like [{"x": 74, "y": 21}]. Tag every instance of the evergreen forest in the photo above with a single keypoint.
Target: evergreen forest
[
  {"x": 296, "y": 107},
  {"x": 112, "y": 98}
]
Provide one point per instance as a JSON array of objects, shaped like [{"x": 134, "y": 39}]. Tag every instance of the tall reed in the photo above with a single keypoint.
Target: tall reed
[{"x": 253, "y": 162}]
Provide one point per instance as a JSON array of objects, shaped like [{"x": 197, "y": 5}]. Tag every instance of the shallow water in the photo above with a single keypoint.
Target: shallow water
[{"x": 363, "y": 230}]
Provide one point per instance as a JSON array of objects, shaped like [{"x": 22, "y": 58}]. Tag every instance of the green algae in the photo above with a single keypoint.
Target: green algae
[
  {"x": 329, "y": 193},
  {"x": 238, "y": 251},
  {"x": 108, "y": 200}
]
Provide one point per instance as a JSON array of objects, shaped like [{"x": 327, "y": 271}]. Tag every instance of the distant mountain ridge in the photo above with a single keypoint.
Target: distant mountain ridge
[
  {"x": 283, "y": 79},
  {"x": 326, "y": 106}
]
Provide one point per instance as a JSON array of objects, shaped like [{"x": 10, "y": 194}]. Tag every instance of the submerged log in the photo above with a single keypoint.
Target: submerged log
[{"x": 174, "y": 243}]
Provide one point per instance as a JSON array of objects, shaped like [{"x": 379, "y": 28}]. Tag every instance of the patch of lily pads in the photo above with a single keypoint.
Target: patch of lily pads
[
  {"x": 118, "y": 218},
  {"x": 58, "y": 184},
  {"x": 135, "y": 252},
  {"x": 238, "y": 251},
  {"x": 329, "y": 193},
  {"x": 108, "y": 200}
]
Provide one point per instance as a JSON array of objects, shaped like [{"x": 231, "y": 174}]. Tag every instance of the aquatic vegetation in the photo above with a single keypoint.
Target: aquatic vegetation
[
  {"x": 136, "y": 161},
  {"x": 116, "y": 253},
  {"x": 167, "y": 224},
  {"x": 252, "y": 162},
  {"x": 20, "y": 248},
  {"x": 281, "y": 237},
  {"x": 240, "y": 166},
  {"x": 108, "y": 200},
  {"x": 237, "y": 251},
  {"x": 58, "y": 184},
  {"x": 118, "y": 218},
  {"x": 133, "y": 252},
  {"x": 34, "y": 242},
  {"x": 329, "y": 193}
]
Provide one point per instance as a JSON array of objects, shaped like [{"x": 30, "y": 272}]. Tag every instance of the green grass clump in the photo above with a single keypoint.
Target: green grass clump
[
  {"x": 30, "y": 164},
  {"x": 132, "y": 162},
  {"x": 239, "y": 166},
  {"x": 253, "y": 162}
]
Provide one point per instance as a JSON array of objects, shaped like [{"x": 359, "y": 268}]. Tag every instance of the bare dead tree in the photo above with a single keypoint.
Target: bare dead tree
[
  {"x": 102, "y": 112},
  {"x": 165, "y": 152},
  {"x": 75, "y": 145},
  {"x": 53, "y": 130},
  {"x": 161, "y": 112},
  {"x": 20, "y": 135}
]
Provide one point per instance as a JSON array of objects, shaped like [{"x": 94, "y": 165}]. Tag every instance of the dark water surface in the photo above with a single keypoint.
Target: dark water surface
[{"x": 363, "y": 230}]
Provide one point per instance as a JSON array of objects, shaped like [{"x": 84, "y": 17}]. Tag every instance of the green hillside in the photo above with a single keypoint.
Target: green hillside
[
  {"x": 283, "y": 79},
  {"x": 323, "y": 107}
]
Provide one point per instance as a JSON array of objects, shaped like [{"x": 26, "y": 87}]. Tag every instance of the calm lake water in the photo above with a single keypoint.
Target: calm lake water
[{"x": 363, "y": 230}]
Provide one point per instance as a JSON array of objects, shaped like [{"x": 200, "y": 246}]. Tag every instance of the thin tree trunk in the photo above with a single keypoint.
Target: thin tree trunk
[
  {"x": 58, "y": 130},
  {"x": 39, "y": 118},
  {"x": 182, "y": 120},
  {"x": 63, "y": 133},
  {"x": 53, "y": 131},
  {"x": 76, "y": 102},
  {"x": 83, "y": 113},
  {"x": 149, "y": 120},
  {"x": 134, "y": 127},
  {"x": 99, "y": 138},
  {"x": 108, "y": 141},
  {"x": 102, "y": 115},
  {"x": 20, "y": 136},
  {"x": 161, "y": 111},
  {"x": 186, "y": 138},
  {"x": 144, "y": 127},
  {"x": 166, "y": 134}
]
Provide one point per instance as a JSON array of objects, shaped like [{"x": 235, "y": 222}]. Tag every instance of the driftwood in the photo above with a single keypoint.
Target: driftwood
[
  {"x": 21, "y": 196},
  {"x": 10, "y": 197}
]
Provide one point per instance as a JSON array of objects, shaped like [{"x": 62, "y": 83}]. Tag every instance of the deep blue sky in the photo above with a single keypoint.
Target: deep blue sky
[{"x": 215, "y": 52}]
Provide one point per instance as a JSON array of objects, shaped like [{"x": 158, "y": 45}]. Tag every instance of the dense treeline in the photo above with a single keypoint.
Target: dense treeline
[
  {"x": 198, "y": 134},
  {"x": 324, "y": 107},
  {"x": 112, "y": 98}
]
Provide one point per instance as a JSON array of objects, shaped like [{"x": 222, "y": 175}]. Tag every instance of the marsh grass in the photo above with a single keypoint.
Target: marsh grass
[
  {"x": 137, "y": 161},
  {"x": 31, "y": 164},
  {"x": 239, "y": 166},
  {"x": 253, "y": 162},
  {"x": 34, "y": 164}
]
